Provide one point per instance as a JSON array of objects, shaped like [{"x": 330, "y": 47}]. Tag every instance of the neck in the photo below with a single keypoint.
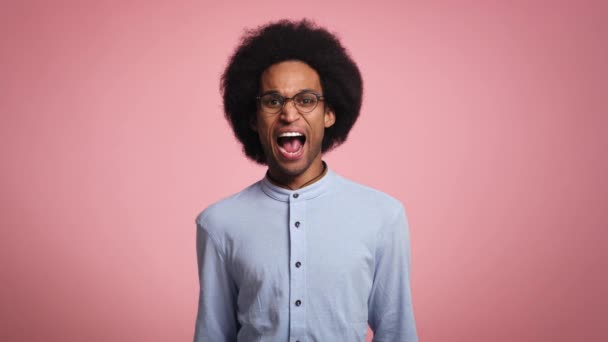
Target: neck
[{"x": 294, "y": 183}]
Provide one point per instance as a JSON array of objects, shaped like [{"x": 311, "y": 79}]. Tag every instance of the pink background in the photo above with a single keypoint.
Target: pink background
[{"x": 487, "y": 120}]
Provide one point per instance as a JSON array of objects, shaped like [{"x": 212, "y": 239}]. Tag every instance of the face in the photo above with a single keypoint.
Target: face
[{"x": 292, "y": 140}]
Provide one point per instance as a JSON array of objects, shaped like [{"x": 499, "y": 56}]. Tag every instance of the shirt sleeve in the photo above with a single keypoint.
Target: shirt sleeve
[
  {"x": 391, "y": 315},
  {"x": 216, "y": 319}
]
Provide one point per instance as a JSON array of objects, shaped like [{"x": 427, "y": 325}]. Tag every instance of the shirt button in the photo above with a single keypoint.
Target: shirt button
[
  {"x": 298, "y": 264},
  {"x": 297, "y": 224},
  {"x": 296, "y": 195},
  {"x": 298, "y": 302}
]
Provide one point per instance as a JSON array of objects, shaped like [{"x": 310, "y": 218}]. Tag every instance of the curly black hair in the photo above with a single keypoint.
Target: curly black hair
[{"x": 280, "y": 41}]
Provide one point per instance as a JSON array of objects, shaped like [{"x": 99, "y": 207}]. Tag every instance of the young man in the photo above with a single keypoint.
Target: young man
[{"x": 304, "y": 254}]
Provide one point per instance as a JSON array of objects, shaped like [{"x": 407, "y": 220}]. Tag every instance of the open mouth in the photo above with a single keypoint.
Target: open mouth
[{"x": 291, "y": 144}]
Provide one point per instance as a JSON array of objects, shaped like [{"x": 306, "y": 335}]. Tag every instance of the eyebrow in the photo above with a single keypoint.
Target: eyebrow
[{"x": 306, "y": 90}]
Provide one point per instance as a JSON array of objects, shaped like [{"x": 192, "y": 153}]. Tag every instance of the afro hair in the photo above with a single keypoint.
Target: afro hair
[{"x": 281, "y": 41}]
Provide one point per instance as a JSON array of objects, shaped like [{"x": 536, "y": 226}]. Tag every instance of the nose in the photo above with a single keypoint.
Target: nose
[{"x": 289, "y": 112}]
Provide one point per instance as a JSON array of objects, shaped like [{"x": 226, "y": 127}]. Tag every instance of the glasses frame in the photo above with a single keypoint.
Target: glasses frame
[{"x": 284, "y": 99}]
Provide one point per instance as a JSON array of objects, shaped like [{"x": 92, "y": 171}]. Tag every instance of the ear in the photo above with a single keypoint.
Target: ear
[{"x": 329, "y": 117}]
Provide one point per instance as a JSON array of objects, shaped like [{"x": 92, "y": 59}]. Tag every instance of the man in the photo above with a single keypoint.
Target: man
[{"x": 304, "y": 254}]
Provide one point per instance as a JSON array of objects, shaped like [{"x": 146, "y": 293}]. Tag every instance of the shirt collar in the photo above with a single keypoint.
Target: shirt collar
[{"x": 310, "y": 191}]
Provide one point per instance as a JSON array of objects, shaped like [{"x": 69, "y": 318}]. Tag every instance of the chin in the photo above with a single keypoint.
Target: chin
[{"x": 293, "y": 169}]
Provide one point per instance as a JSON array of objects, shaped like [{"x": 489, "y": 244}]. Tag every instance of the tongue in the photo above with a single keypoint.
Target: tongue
[{"x": 291, "y": 144}]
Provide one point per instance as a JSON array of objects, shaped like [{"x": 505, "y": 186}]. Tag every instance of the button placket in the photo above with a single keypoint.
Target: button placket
[{"x": 297, "y": 278}]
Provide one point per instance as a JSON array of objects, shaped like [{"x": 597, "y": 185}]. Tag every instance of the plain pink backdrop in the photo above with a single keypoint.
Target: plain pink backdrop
[{"x": 487, "y": 120}]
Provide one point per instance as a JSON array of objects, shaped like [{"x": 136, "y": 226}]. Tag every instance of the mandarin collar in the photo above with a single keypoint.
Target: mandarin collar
[{"x": 308, "y": 192}]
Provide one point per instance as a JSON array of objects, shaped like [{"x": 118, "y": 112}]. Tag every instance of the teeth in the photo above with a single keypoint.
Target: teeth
[{"x": 290, "y": 134}]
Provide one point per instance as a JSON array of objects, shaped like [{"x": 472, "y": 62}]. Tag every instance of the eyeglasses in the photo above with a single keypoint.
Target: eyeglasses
[{"x": 305, "y": 102}]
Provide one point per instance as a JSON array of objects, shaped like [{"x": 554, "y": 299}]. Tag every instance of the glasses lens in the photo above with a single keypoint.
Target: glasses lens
[
  {"x": 306, "y": 102},
  {"x": 271, "y": 103}
]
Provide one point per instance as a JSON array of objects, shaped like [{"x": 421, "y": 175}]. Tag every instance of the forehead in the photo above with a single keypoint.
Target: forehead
[{"x": 290, "y": 77}]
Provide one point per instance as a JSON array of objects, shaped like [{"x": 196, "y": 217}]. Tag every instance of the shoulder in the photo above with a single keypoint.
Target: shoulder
[
  {"x": 370, "y": 207},
  {"x": 370, "y": 198},
  {"x": 218, "y": 214}
]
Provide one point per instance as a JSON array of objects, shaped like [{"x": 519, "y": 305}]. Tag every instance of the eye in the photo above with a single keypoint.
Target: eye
[
  {"x": 306, "y": 100},
  {"x": 272, "y": 101}
]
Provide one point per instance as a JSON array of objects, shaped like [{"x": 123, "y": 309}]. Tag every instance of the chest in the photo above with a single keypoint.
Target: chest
[{"x": 312, "y": 245}]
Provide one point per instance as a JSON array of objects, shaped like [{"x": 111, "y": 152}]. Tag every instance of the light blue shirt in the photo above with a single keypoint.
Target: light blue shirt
[{"x": 315, "y": 264}]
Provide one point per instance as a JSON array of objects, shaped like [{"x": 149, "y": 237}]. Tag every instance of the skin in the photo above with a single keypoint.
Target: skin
[{"x": 289, "y": 78}]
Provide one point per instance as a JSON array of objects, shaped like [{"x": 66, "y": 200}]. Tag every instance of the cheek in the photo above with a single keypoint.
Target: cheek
[
  {"x": 264, "y": 132},
  {"x": 319, "y": 129}
]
